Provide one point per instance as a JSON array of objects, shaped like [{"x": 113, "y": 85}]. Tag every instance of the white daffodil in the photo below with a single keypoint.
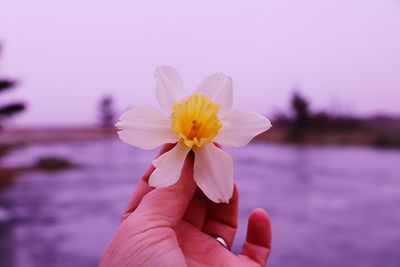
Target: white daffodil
[{"x": 193, "y": 123}]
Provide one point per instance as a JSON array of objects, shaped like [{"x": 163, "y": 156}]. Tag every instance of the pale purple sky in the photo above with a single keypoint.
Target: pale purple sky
[{"x": 345, "y": 55}]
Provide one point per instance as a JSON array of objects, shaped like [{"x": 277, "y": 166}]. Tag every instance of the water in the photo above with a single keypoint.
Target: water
[{"x": 330, "y": 206}]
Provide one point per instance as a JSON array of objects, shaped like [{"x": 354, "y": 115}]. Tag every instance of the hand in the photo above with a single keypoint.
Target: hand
[{"x": 177, "y": 225}]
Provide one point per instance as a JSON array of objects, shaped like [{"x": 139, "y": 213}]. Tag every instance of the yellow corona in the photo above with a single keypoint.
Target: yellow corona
[{"x": 195, "y": 120}]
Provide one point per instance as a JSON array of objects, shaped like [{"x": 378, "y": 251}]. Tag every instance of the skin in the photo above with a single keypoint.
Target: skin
[{"x": 177, "y": 226}]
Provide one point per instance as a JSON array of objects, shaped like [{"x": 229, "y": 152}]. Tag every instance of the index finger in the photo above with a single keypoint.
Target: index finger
[{"x": 142, "y": 188}]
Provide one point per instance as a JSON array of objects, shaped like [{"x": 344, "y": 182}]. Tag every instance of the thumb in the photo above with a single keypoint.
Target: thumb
[{"x": 167, "y": 205}]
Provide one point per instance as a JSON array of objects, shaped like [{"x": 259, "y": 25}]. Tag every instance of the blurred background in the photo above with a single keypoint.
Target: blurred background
[{"x": 327, "y": 73}]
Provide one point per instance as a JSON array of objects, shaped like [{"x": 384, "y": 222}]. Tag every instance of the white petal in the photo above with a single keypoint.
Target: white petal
[
  {"x": 240, "y": 126},
  {"x": 218, "y": 87},
  {"x": 169, "y": 166},
  {"x": 145, "y": 127},
  {"x": 168, "y": 87},
  {"x": 213, "y": 172}
]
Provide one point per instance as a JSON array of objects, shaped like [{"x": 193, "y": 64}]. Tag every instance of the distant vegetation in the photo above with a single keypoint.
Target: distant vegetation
[
  {"x": 53, "y": 163},
  {"x": 107, "y": 113},
  {"x": 304, "y": 126},
  {"x": 303, "y": 121},
  {"x": 10, "y": 109},
  {"x": 7, "y": 111},
  {"x": 45, "y": 163}
]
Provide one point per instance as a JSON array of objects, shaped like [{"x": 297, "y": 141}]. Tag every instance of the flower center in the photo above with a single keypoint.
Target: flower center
[{"x": 194, "y": 120}]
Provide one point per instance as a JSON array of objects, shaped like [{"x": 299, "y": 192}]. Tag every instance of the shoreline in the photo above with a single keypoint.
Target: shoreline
[
  {"x": 28, "y": 136},
  {"x": 52, "y": 135}
]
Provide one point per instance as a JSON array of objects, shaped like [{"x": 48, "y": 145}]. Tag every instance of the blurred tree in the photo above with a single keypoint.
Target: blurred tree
[
  {"x": 301, "y": 115},
  {"x": 8, "y": 110},
  {"x": 107, "y": 112},
  {"x": 300, "y": 109}
]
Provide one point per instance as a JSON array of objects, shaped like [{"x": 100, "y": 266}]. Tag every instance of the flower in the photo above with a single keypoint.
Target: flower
[{"x": 195, "y": 123}]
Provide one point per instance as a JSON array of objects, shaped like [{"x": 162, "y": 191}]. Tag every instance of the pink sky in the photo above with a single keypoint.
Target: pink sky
[{"x": 345, "y": 55}]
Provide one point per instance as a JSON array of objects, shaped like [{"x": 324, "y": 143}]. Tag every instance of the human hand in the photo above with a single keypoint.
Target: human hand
[{"x": 177, "y": 225}]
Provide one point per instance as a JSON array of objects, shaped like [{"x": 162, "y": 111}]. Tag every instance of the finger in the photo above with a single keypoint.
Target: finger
[
  {"x": 196, "y": 212},
  {"x": 221, "y": 220},
  {"x": 257, "y": 246},
  {"x": 142, "y": 188},
  {"x": 166, "y": 206}
]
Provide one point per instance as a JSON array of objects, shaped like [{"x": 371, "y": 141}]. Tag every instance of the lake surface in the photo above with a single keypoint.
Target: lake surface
[{"x": 329, "y": 206}]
